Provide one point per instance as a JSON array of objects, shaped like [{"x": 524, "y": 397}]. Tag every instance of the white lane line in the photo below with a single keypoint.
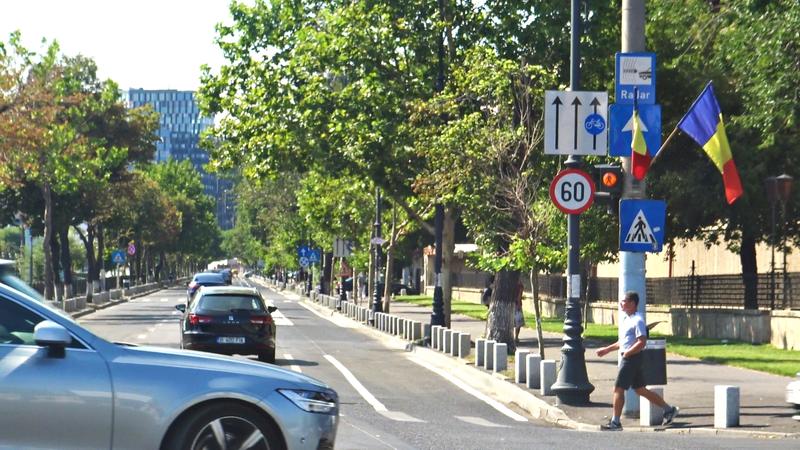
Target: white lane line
[
  {"x": 377, "y": 405},
  {"x": 164, "y": 299},
  {"x": 141, "y": 337},
  {"x": 281, "y": 320},
  {"x": 399, "y": 416},
  {"x": 294, "y": 367},
  {"x": 336, "y": 320},
  {"x": 480, "y": 421},
  {"x": 503, "y": 409}
]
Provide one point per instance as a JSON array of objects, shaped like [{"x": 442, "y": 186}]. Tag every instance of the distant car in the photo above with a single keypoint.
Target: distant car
[
  {"x": 229, "y": 320},
  {"x": 793, "y": 392},
  {"x": 204, "y": 279},
  {"x": 142, "y": 397},
  {"x": 248, "y": 274}
]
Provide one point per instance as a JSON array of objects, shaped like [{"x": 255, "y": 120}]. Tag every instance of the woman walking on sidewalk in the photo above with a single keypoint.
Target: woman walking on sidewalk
[{"x": 631, "y": 344}]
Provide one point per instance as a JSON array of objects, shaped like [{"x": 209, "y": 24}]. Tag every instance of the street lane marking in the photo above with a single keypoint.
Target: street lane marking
[
  {"x": 164, "y": 299},
  {"x": 377, "y": 405},
  {"x": 281, "y": 320},
  {"x": 141, "y": 337},
  {"x": 336, "y": 320},
  {"x": 399, "y": 416},
  {"x": 480, "y": 421},
  {"x": 471, "y": 391},
  {"x": 294, "y": 367}
]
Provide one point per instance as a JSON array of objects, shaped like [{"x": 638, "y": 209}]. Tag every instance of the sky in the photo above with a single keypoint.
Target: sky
[{"x": 150, "y": 44}]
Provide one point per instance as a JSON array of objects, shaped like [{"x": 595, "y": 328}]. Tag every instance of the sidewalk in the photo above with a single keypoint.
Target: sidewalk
[{"x": 763, "y": 410}]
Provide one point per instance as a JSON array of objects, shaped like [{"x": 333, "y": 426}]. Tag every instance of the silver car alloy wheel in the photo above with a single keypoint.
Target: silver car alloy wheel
[{"x": 230, "y": 433}]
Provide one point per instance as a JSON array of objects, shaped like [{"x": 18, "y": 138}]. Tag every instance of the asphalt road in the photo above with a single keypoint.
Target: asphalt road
[{"x": 388, "y": 400}]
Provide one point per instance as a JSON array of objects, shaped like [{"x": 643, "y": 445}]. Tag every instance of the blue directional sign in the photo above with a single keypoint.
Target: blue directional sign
[
  {"x": 302, "y": 251},
  {"x": 636, "y": 72},
  {"x": 621, "y": 128},
  {"x": 641, "y": 225},
  {"x": 118, "y": 257},
  {"x": 314, "y": 256}
]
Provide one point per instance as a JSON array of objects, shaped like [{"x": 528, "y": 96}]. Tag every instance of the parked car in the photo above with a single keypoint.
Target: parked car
[
  {"x": 229, "y": 320},
  {"x": 204, "y": 279},
  {"x": 227, "y": 275},
  {"x": 56, "y": 377}
]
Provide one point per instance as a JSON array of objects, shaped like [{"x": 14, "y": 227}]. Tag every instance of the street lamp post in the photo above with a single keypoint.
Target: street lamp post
[
  {"x": 779, "y": 189},
  {"x": 377, "y": 301}
]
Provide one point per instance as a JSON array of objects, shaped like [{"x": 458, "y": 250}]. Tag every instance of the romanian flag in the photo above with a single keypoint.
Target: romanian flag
[
  {"x": 640, "y": 157},
  {"x": 704, "y": 124}
]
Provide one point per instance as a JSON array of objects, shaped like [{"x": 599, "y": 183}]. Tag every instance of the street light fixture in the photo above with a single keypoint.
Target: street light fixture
[{"x": 778, "y": 189}]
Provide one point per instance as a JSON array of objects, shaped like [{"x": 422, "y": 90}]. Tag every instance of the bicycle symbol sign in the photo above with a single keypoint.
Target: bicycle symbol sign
[{"x": 594, "y": 124}]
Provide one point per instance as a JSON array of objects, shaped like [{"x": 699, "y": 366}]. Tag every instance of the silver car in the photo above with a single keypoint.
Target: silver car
[{"x": 61, "y": 387}]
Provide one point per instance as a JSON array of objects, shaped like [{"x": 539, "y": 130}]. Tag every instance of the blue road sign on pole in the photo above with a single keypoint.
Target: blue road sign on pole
[
  {"x": 621, "y": 129},
  {"x": 302, "y": 251},
  {"x": 314, "y": 256},
  {"x": 641, "y": 225},
  {"x": 636, "y": 71},
  {"x": 118, "y": 257}
]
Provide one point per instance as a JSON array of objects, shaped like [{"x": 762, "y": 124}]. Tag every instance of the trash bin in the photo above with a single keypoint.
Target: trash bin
[{"x": 654, "y": 362}]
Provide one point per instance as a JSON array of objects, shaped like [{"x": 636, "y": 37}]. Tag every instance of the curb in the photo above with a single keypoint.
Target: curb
[{"x": 503, "y": 390}]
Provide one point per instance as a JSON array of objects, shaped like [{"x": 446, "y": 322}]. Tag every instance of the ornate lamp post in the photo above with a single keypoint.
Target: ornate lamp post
[
  {"x": 784, "y": 183},
  {"x": 377, "y": 241}
]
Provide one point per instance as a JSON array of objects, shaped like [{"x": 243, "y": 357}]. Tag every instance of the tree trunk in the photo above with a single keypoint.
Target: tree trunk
[
  {"x": 88, "y": 244},
  {"x": 66, "y": 260},
  {"x": 747, "y": 256},
  {"x": 55, "y": 250},
  {"x": 448, "y": 249},
  {"x": 537, "y": 309},
  {"x": 48, "y": 235},
  {"x": 501, "y": 309},
  {"x": 99, "y": 275}
]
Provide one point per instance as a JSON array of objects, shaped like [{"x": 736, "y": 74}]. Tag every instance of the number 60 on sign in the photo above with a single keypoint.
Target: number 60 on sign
[{"x": 572, "y": 191}]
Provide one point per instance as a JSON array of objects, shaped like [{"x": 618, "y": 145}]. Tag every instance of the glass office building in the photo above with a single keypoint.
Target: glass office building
[{"x": 180, "y": 125}]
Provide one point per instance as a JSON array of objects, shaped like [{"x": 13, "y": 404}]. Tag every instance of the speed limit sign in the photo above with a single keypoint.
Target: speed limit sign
[{"x": 572, "y": 191}]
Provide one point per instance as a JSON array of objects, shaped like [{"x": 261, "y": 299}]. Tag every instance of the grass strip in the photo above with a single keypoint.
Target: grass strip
[{"x": 761, "y": 357}]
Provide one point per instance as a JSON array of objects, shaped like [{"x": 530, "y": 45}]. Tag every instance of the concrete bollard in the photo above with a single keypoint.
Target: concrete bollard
[
  {"x": 480, "y": 352},
  {"x": 454, "y": 340},
  {"x": 533, "y": 369},
  {"x": 651, "y": 415},
  {"x": 500, "y": 357},
  {"x": 520, "y": 366},
  {"x": 435, "y": 336},
  {"x": 548, "y": 376},
  {"x": 401, "y": 323},
  {"x": 488, "y": 361},
  {"x": 446, "y": 336},
  {"x": 463, "y": 345},
  {"x": 440, "y": 338},
  {"x": 726, "y": 406},
  {"x": 426, "y": 333},
  {"x": 416, "y": 331}
]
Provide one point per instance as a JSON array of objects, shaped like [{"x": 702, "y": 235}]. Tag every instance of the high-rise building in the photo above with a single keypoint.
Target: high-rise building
[{"x": 180, "y": 125}]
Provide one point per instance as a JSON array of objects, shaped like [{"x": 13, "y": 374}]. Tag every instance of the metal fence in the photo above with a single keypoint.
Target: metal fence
[{"x": 720, "y": 291}]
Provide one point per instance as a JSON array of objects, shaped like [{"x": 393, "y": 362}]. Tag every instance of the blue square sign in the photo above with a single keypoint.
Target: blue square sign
[
  {"x": 641, "y": 225},
  {"x": 636, "y": 72},
  {"x": 620, "y": 129}
]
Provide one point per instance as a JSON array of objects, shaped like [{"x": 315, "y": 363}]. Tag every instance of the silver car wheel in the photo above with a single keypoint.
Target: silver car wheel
[{"x": 230, "y": 433}]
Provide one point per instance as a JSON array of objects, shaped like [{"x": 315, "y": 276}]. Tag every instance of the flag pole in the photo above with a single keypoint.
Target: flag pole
[{"x": 664, "y": 145}]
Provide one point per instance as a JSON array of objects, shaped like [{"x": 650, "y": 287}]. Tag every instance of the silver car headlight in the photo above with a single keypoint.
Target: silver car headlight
[{"x": 311, "y": 401}]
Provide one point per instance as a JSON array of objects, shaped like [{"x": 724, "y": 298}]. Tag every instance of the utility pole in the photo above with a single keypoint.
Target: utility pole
[
  {"x": 632, "y": 265},
  {"x": 573, "y": 386}
]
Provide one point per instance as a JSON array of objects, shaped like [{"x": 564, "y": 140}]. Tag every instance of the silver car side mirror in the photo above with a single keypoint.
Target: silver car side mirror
[{"x": 50, "y": 334}]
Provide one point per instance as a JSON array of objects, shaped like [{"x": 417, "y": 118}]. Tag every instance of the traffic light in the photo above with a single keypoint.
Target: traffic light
[{"x": 608, "y": 179}]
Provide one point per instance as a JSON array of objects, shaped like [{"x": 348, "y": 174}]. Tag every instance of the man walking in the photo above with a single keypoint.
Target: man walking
[{"x": 631, "y": 344}]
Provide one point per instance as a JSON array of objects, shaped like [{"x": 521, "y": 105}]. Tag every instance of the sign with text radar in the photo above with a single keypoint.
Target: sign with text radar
[{"x": 635, "y": 72}]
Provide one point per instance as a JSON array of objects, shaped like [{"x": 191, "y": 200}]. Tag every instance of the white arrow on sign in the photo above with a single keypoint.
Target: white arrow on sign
[{"x": 629, "y": 126}]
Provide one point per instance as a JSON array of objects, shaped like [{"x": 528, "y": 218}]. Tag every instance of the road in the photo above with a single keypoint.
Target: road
[{"x": 388, "y": 401}]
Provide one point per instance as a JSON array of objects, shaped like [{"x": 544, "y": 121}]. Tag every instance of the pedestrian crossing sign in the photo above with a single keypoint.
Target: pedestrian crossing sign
[{"x": 641, "y": 225}]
